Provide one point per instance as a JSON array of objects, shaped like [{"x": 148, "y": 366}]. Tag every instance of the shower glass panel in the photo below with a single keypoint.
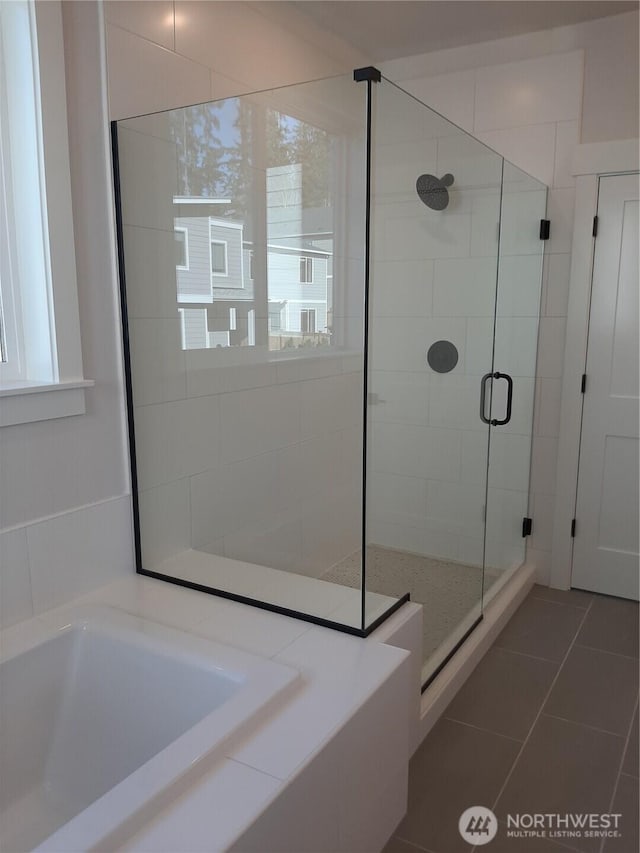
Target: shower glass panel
[
  {"x": 242, "y": 258},
  {"x": 435, "y": 215},
  {"x": 524, "y": 201}
]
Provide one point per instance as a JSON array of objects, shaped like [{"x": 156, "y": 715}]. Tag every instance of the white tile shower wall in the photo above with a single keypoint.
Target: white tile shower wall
[
  {"x": 606, "y": 109},
  {"x": 255, "y": 461},
  {"x": 433, "y": 278},
  {"x": 529, "y": 109},
  {"x": 267, "y": 474}
]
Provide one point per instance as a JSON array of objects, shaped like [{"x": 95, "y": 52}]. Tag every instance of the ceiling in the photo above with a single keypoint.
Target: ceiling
[{"x": 383, "y": 30}]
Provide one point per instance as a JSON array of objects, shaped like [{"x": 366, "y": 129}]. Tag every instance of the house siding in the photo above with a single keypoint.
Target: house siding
[{"x": 196, "y": 284}]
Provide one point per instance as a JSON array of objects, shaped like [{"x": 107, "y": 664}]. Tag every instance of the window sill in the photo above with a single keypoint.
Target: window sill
[{"x": 25, "y": 402}]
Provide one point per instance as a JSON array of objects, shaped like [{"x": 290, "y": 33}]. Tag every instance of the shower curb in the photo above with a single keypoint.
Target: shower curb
[{"x": 497, "y": 613}]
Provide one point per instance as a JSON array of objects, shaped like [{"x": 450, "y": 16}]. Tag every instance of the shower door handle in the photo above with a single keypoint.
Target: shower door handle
[
  {"x": 483, "y": 396},
  {"x": 507, "y": 417}
]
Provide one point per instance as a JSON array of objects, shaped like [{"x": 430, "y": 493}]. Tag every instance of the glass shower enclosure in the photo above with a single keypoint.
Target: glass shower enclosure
[
  {"x": 455, "y": 284},
  {"x": 330, "y": 300}
]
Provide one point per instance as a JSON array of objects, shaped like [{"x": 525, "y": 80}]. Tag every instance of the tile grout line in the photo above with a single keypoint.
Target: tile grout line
[
  {"x": 542, "y": 704},
  {"x": 606, "y": 652},
  {"x": 620, "y": 766},
  {"x": 560, "y": 603},
  {"x": 410, "y": 844},
  {"x": 252, "y": 767},
  {"x": 495, "y": 645},
  {"x": 481, "y": 729},
  {"x": 583, "y": 725}
]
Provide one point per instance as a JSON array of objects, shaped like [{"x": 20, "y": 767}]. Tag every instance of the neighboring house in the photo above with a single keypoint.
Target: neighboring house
[
  {"x": 219, "y": 298},
  {"x": 210, "y": 260},
  {"x": 298, "y": 299}
]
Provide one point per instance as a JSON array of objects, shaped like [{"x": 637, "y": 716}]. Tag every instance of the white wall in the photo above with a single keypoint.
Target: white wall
[
  {"x": 210, "y": 50},
  {"x": 610, "y": 100},
  {"x": 65, "y": 508},
  {"x": 533, "y": 98}
]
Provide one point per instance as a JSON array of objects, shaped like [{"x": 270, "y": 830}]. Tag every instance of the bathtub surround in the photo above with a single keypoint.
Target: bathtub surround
[
  {"x": 306, "y": 776},
  {"x": 88, "y": 770}
]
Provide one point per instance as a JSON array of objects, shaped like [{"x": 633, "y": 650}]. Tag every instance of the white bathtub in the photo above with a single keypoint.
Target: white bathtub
[{"x": 108, "y": 712}]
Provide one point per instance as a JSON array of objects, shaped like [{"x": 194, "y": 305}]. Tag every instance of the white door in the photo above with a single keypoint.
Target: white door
[{"x": 605, "y": 554}]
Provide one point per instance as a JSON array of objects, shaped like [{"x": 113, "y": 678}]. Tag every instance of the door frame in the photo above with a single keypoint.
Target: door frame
[{"x": 590, "y": 163}]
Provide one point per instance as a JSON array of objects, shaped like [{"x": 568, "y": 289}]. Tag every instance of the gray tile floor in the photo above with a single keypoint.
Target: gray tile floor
[{"x": 547, "y": 723}]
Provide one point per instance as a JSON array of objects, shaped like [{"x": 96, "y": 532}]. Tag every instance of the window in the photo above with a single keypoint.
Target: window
[
  {"x": 8, "y": 344},
  {"x": 219, "y": 257},
  {"x": 306, "y": 270},
  {"x": 40, "y": 328},
  {"x": 308, "y": 321},
  {"x": 275, "y": 320},
  {"x": 265, "y": 233},
  {"x": 182, "y": 248}
]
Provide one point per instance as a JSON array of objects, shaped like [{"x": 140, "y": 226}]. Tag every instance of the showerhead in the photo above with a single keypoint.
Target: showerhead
[{"x": 433, "y": 191}]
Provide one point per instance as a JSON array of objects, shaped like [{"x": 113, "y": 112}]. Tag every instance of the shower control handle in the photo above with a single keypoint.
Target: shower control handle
[{"x": 483, "y": 394}]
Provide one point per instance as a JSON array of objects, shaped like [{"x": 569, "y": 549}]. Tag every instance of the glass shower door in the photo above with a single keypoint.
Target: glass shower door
[
  {"x": 524, "y": 202},
  {"x": 435, "y": 216}
]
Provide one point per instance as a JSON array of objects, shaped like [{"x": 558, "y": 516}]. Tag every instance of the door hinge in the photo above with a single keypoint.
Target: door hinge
[
  {"x": 594, "y": 230},
  {"x": 573, "y": 528},
  {"x": 545, "y": 229},
  {"x": 583, "y": 383},
  {"x": 527, "y": 526}
]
